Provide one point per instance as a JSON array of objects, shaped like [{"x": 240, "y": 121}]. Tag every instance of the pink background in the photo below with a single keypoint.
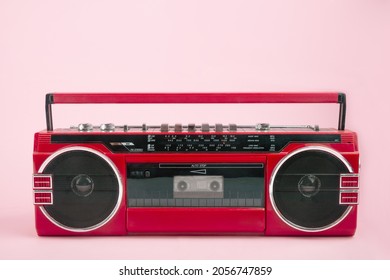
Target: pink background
[{"x": 194, "y": 46}]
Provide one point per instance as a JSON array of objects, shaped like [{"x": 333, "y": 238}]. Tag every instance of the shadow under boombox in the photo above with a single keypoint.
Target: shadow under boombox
[{"x": 196, "y": 179}]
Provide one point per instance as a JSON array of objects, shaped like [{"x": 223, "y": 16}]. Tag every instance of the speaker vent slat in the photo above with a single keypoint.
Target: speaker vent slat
[
  {"x": 349, "y": 198},
  {"x": 349, "y": 189},
  {"x": 42, "y": 182},
  {"x": 44, "y": 138},
  {"x": 43, "y": 198},
  {"x": 347, "y": 138}
]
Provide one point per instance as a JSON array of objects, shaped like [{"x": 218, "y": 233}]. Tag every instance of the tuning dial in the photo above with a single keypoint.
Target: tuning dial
[
  {"x": 85, "y": 127},
  {"x": 107, "y": 127}
]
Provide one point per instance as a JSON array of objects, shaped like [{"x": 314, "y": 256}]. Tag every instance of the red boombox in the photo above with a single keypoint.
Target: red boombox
[{"x": 196, "y": 179}]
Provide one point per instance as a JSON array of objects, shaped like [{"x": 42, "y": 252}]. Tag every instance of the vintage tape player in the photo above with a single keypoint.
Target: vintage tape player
[{"x": 196, "y": 179}]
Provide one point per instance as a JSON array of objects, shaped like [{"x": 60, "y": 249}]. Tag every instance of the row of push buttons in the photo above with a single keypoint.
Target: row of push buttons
[{"x": 205, "y": 127}]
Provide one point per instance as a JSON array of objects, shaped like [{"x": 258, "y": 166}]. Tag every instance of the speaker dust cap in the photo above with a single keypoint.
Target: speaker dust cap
[
  {"x": 304, "y": 188},
  {"x": 87, "y": 189}
]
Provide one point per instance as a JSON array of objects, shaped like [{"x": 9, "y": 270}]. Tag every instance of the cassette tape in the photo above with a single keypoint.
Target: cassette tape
[{"x": 198, "y": 187}]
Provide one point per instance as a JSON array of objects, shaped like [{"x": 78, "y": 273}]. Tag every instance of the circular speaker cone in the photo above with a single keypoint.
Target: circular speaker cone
[
  {"x": 86, "y": 188},
  {"x": 305, "y": 191},
  {"x": 82, "y": 185},
  {"x": 309, "y": 185}
]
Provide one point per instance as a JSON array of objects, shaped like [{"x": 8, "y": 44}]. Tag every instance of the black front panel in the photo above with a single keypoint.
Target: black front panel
[
  {"x": 85, "y": 189},
  {"x": 195, "y": 185},
  {"x": 306, "y": 189},
  {"x": 195, "y": 142}
]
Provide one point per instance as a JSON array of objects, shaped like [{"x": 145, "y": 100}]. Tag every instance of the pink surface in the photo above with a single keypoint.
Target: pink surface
[{"x": 193, "y": 46}]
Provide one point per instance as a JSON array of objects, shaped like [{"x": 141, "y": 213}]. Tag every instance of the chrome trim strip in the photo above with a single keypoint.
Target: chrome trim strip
[
  {"x": 119, "y": 178},
  {"x": 275, "y": 171}
]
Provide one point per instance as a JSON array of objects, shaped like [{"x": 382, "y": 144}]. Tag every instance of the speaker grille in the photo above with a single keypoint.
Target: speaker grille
[
  {"x": 86, "y": 189},
  {"x": 305, "y": 189}
]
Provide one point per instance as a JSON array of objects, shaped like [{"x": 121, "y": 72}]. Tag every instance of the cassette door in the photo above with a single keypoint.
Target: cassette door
[{"x": 167, "y": 196}]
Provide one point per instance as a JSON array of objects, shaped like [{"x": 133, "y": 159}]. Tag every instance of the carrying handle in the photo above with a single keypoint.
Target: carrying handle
[{"x": 174, "y": 98}]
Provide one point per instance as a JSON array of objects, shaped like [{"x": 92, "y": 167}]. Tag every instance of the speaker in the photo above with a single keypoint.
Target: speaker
[
  {"x": 304, "y": 189},
  {"x": 87, "y": 189}
]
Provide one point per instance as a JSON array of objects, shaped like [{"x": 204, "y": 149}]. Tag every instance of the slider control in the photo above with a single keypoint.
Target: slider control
[
  {"x": 218, "y": 127},
  {"x": 232, "y": 127},
  {"x": 178, "y": 127},
  {"x": 164, "y": 127},
  {"x": 191, "y": 127},
  {"x": 205, "y": 127}
]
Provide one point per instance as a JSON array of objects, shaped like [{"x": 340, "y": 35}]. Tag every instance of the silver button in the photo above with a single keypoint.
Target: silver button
[
  {"x": 262, "y": 126},
  {"x": 107, "y": 127},
  {"x": 85, "y": 127}
]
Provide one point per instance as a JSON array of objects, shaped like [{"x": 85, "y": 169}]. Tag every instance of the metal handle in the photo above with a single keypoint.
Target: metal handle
[{"x": 174, "y": 98}]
